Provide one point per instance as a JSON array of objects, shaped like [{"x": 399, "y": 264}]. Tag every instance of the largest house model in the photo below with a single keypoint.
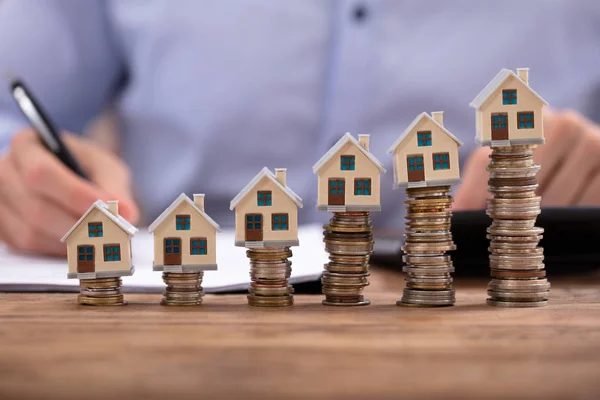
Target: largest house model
[
  {"x": 185, "y": 237},
  {"x": 266, "y": 211},
  {"x": 99, "y": 244},
  {"x": 508, "y": 111},
  {"x": 349, "y": 177}
]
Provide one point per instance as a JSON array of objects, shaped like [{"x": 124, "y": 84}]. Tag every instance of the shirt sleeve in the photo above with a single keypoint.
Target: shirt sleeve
[{"x": 66, "y": 53}]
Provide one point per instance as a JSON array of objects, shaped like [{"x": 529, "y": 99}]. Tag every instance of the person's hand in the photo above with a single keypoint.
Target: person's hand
[
  {"x": 570, "y": 161},
  {"x": 41, "y": 199}
]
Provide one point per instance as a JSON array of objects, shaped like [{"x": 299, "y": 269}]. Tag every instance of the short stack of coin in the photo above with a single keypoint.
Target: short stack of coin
[
  {"x": 101, "y": 292},
  {"x": 270, "y": 271},
  {"x": 183, "y": 288},
  {"x": 516, "y": 260},
  {"x": 428, "y": 268},
  {"x": 349, "y": 241}
]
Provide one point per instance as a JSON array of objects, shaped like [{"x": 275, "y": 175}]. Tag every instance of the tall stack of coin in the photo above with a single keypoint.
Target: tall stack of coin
[
  {"x": 428, "y": 268},
  {"x": 270, "y": 271},
  {"x": 183, "y": 288},
  {"x": 516, "y": 260},
  {"x": 349, "y": 241},
  {"x": 101, "y": 292}
]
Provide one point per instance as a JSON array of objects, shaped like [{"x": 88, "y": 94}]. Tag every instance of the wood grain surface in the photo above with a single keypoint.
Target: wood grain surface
[{"x": 52, "y": 348}]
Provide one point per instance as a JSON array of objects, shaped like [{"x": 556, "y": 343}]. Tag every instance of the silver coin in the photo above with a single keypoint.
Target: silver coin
[
  {"x": 519, "y": 296},
  {"x": 516, "y": 304}
]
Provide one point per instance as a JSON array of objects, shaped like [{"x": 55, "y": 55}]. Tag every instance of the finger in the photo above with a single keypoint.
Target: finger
[
  {"x": 562, "y": 130},
  {"x": 472, "y": 193},
  {"x": 567, "y": 184},
  {"x": 45, "y": 175},
  {"x": 51, "y": 219},
  {"x": 108, "y": 172},
  {"x": 590, "y": 195},
  {"x": 24, "y": 238}
]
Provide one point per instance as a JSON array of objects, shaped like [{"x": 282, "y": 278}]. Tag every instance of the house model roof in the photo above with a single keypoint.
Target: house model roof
[
  {"x": 103, "y": 208},
  {"x": 412, "y": 126},
  {"x": 181, "y": 198},
  {"x": 269, "y": 175},
  {"x": 495, "y": 83},
  {"x": 340, "y": 143}
]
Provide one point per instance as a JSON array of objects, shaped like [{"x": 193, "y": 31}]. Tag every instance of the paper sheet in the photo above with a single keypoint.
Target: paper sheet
[{"x": 36, "y": 274}]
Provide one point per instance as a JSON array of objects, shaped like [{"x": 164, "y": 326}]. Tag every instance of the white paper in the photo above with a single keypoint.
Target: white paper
[{"x": 27, "y": 273}]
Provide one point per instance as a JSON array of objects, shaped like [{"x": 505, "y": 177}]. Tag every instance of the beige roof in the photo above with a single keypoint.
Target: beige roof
[
  {"x": 181, "y": 198},
  {"x": 413, "y": 124},
  {"x": 103, "y": 208},
  {"x": 340, "y": 143},
  {"x": 269, "y": 175}
]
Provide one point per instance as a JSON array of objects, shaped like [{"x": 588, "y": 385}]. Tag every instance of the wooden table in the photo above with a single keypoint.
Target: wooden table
[{"x": 52, "y": 348}]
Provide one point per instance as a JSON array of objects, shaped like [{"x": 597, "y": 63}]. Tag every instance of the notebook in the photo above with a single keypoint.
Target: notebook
[{"x": 39, "y": 274}]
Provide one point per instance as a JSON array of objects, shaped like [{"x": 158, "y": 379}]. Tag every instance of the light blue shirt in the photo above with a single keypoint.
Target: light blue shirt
[{"x": 217, "y": 90}]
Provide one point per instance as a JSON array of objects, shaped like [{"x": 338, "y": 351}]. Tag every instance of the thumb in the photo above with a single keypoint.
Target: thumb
[
  {"x": 472, "y": 193},
  {"x": 107, "y": 172},
  {"x": 116, "y": 181}
]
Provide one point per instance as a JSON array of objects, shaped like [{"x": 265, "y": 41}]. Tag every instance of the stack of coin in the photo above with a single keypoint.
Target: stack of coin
[
  {"x": 101, "y": 292},
  {"x": 349, "y": 241},
  {"x": 183, "y": 288},
  {"x": 270, "y": 272},
  {"x": 516, "y": 260},
  {"x": 428, "y": 268}
]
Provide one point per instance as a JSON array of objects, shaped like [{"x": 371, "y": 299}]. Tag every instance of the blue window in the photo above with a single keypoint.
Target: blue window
[
  {"x": 525, "y": 120},
  {"x": 348, "y": 163},
  {"x": 264, "y": 198},
  {"x": 85, "y": 253},
  {"x": 424, "y": 138},
  {"x": 499, "y": 121},
  {"x": 336, "y": 186},
  {"x": 441, "y": 161},
  {"x": 280, "y": 222},
  {"x": 95, "y": 229},
  {"x": 182, "y": 222},
  {"x": 362, "y": 187},
  {"x": 172, "y": 246},
  {"x": 415, "y": 163},
  {"x": 112, "y": 252},
  {"x": 509, "y": 97},
  {"x": 198, "y": 246},
  {"x": 253, "y": 221}
]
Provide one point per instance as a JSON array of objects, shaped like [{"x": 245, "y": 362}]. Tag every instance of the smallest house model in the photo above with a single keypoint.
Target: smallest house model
[
  {"x": 266, "y": 212},
  {"x": 349, "y": 177},
  {"x": 508, "y": 111},
  {"x": 99, "y": 244},
  {"x": 185, "y": 237},
  {"x": 426, "y": 154}
]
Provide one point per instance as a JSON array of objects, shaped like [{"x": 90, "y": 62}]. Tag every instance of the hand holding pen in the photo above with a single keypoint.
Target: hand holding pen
[{"x": 48, "y": 180}]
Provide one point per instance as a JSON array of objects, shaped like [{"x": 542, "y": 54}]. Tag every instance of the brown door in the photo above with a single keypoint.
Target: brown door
[
  {"x": 85, "y": 259},
  {"x": 254, "y": 228},
  {"x": 500, "y": 126},
  {"x": 172, "y": 251},
  {"x": 416, "y": 172},
  {"x": 337, "y": 192}
]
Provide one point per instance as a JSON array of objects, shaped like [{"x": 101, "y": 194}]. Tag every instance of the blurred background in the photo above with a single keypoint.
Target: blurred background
[{"x": 198, "y": 96}]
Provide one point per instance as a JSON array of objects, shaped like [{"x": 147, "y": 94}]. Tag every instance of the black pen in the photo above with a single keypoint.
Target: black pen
[{"x": 42, "y": 124}]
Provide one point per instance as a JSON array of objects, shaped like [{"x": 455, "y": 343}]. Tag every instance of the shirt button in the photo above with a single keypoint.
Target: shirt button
[{"x": 360, "y": 13}]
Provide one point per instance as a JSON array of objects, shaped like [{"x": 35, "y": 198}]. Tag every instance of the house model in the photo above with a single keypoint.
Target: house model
[
  {"x": 266, "y": 212},
  {"x": 426, "y": 154},
  {"x": 99, "y": 244},
  {"x": 185, "y": 237},
  {"x": 349, "y": 177},
  {"x": 508, "y": 111}
]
